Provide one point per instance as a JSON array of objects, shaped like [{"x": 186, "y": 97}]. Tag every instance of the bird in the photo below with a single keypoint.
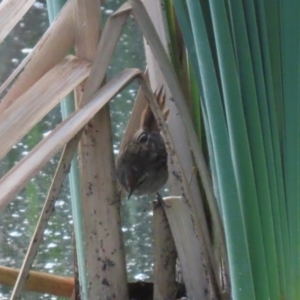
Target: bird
[{"x": 142, "y": 167}]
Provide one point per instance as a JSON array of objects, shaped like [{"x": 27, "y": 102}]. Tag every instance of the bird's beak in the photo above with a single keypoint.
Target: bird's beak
[
  {"x": 129, "y": 194},
  {"x": 130, "y": 186}
]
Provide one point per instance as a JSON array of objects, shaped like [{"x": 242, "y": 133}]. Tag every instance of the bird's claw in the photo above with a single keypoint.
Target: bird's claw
[{"x": 160, "y": 201}]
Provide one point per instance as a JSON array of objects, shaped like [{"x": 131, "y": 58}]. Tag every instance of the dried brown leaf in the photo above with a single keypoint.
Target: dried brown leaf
[
  {"x": 11, "y": 11},
  {"x": 186, "y": 130},
  {"x": 165, "y": 255},
  {"x": 16, "y": 179},
  {"x": 194, "y": 265},
  {"x": 100, "y": 209},
  {"x": 50, "y": 50},
  {"x": 36, "y": 102},
  {"x": 47, "y": 211}
]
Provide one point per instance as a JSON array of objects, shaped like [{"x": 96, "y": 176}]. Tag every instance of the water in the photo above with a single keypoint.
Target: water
[{"x": 18, "y": 220}]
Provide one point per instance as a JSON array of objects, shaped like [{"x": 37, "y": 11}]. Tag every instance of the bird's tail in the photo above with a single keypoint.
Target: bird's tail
[{"x": 148, "y": 121}]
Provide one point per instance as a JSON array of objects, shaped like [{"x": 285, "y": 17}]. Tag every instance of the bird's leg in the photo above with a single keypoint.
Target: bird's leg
[
  {"x": 118, "y": 199},
  {"x": 160, "y": 201}
]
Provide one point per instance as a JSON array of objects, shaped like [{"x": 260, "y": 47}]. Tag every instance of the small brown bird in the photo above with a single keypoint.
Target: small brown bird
[{"x": 142, "y": 166}]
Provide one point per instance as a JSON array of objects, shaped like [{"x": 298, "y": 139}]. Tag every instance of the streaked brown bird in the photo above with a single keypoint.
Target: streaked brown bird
[{"x": 142, "y": 167}]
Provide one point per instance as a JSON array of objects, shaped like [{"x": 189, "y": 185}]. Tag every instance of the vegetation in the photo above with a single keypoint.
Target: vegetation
[{"x": 232, "y": 140}]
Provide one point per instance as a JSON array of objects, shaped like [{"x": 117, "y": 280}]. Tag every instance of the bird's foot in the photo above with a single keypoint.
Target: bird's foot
[{"x": 160, "y": 201}]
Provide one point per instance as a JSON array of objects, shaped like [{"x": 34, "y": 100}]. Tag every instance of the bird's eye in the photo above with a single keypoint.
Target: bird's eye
[{"x": 143, "y": 137}]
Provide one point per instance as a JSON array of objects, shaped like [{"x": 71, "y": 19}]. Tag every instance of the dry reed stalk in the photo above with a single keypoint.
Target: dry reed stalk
[
  {"x": 105, "y": 257},
  {"x": 213, "y": 252},
  {"x": 39, "y": 282},
  {"x": 11, "y": 11},
  {"x": 165, "y": 286},
  {"x": 17, "y": 178},
  {"x": 49, "y": 51},
  {"x": 133, "y": 123},
  {"x": 28, "y": 109},
  {"x": 194, "y": 264},
  {"x": 47, "y": 211}
]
